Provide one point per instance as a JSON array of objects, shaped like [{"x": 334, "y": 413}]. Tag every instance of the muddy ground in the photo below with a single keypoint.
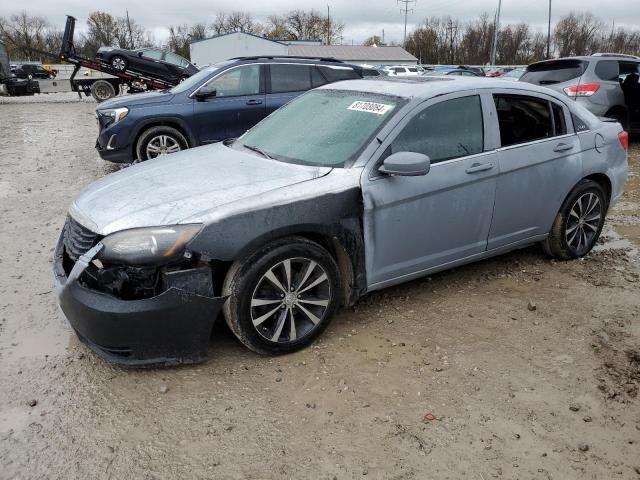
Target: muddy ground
[{"x": 454, "y": 376}]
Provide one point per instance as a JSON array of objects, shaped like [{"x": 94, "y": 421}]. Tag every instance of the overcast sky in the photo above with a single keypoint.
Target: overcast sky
[{"x": 362, "y": 18}]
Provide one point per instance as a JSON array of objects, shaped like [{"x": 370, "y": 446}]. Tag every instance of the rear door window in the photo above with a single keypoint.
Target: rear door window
[
  {"x": 522, "y": 119},
  {"x": 449, "y": 129},
  {"x": 555, "y": 71},
  {"x": 153, "y": 54},
  {"x": 290, "y": 78}
]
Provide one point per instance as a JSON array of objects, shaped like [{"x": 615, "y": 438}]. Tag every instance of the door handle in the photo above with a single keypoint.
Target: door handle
[
  {"x": 254, "y": 102},
  {"x": 479, "y": 167},
  {"x": 562, "y": 147}
]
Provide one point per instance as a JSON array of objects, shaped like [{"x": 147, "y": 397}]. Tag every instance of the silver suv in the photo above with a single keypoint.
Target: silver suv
[{"x": 604, "y": 83}]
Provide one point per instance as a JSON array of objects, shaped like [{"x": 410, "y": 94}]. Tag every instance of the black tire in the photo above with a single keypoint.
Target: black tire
[
  {"x": 119, "y": 63},
  {"x": 102, "y": 90},
  {"x": 562, "y": 243},
  {"x": 30, "y": 76},
  {"x": 149, "y": 136},
  {"x": 51, "y": 76},
  {"x": 246, "y": 278}
]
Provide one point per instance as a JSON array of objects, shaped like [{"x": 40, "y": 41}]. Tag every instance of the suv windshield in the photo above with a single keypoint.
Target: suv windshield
[
  {"x": 324, "y": 127},
  {"x": 198, "y": 78},
  {"x": 556, "y": 71}
]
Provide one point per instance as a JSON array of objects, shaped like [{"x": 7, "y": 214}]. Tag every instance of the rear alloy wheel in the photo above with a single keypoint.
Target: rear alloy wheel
[
  {"x": 158, "y": 141},
  {"x": 579, "y": 222},
  {"x": 119, "y": 63},
  {"x": 282, "y": 297}
]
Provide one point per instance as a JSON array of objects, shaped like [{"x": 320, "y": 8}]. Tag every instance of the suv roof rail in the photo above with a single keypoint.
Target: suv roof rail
[
  {"x": 600, "y": 54},
  {"x": 274, "y": 57}
]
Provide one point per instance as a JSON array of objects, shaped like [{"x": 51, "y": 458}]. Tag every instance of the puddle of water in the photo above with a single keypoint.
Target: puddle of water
[
  {"x": 630, "y": 233},
  {"x": 615, "y": 241}
]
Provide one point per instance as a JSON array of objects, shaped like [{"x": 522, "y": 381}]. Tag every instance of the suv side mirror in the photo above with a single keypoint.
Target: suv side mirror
[
  {"x": 201, "y": 95},
  {"x": 406, "y": 164},
  {"x": 140, "y": 53}
]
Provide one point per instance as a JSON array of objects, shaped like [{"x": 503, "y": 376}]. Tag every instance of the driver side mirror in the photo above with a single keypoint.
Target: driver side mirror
[
  {"x": 406, "y": 164},
  {"x": 201, "y": 95},
  {"x": 140, "y": 54}
]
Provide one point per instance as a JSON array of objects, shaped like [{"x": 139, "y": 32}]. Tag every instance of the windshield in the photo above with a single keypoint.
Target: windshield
[
  {"x": 198, "y": 78},
  {"x": 323, "y": 127}
]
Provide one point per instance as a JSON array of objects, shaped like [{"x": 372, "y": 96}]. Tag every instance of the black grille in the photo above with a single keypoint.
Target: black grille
[{"x": 77, "y": 239}]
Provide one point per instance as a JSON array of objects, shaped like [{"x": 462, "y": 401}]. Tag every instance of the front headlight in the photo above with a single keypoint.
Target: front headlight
[
  {"x": 114, "y": 114},
  {"x": 145, "y": 246}
]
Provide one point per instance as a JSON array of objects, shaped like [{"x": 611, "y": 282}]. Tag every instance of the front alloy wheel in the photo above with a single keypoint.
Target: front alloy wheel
[
  {"x": 290, "y": 300},
  {"x": 162, "y": 145},
  {"x": 282, "y": 296}
]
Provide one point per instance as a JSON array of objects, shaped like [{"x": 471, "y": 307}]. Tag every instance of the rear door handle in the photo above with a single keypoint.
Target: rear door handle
[
  {"x": 254, "y": 102},
  {"x": 562, "y": 147},
  {"x": 479, "y": 167}
]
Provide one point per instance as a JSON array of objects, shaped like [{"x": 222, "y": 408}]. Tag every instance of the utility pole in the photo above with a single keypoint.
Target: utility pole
[
  {"x": 131, "y": 45},
  {"x": 328, "y": 27},
  {"x": 549, "y": 33},
  {"x": 495, "y": 34},
  {"x": 406, "y": 11}
]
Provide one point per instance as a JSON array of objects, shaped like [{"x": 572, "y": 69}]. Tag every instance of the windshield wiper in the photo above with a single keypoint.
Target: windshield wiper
[{"x": 258, "y": 150}]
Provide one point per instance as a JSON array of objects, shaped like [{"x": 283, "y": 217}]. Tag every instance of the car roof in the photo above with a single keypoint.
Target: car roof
[
  {"x": 293, "y": 59},
  {"x": 424, "y": 87}
]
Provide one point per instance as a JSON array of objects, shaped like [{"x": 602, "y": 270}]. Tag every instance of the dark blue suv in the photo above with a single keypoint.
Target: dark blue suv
[{"x": 219, "y": 102}]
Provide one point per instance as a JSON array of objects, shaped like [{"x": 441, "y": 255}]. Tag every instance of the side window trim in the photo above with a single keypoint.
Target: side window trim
[{"x": 372, "y": 164}]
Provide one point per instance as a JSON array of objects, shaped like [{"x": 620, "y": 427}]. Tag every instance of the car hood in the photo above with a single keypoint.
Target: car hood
[
  {"x": 168, "y": 190},
  {"x": 139, "y": 99}
]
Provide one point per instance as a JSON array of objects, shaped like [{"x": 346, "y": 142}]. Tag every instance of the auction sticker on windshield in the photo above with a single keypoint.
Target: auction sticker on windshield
[{"x": 370, "y": 107}]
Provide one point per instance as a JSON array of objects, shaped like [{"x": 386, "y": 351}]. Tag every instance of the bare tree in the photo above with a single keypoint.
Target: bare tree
[
  {"x": 181, "y": 36},
  {"x": 236, "y": 22},
  {"x": 373, "y": 40},
  {"x": 26, "y": 36},
  {"x": 578, "y": 34}
]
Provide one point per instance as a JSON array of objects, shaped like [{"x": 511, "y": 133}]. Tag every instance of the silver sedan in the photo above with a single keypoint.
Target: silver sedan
[{"x": 348, "y": 189}]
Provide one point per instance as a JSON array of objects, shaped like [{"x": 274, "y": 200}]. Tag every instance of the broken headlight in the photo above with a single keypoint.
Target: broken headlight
[{"x": 147, "y": 246}]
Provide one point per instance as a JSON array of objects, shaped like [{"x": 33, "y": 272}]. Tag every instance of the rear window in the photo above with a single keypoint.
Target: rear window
[
  {"x": 335, "y": 74},
  {"x": 558, "y": 71}
]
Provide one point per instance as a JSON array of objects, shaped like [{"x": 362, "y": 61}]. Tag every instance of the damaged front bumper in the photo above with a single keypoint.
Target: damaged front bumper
[{"x": 171, "y": 328}]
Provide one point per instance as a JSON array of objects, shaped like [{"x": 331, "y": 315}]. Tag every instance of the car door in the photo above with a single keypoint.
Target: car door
[
  {"x": 540, "y": 162},
  {"x": 285, "y": 81},
  {"x": 414, "y": 225},
  {"x": 151, "y": 62},
  {"x": 229, "y": 104}
]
